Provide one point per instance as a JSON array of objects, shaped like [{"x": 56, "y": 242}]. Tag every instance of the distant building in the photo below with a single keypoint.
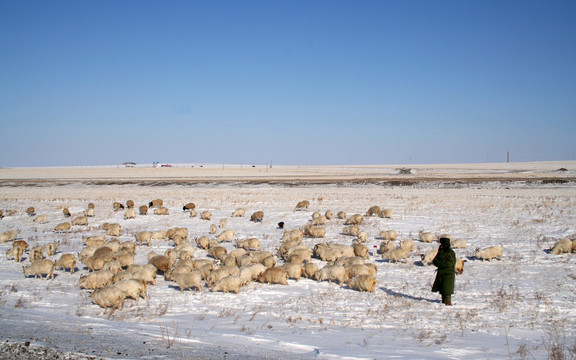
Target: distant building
[{"x": 129, "y": 164}]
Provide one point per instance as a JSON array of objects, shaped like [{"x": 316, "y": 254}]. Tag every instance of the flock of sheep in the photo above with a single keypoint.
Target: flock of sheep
[{"x": 113, "y": 276}]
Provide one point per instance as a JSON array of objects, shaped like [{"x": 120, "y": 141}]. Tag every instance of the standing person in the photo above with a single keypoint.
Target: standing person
[{"x": 445, "y": 261}]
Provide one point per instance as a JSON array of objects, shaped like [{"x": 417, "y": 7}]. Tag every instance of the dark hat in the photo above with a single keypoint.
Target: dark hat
[{"x": 445, "y": 242}]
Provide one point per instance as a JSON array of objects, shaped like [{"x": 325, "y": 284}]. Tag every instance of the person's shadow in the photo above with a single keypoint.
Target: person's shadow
[{"x": 417, "y": 298}]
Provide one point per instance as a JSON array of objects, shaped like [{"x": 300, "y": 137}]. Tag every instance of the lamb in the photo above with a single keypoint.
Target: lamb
[
  {"x": 373, "y": 210},
  {"x": 361, "y": 250},
  {"x": 331, "y": 273},
  {"x": 407, "y": 245},
  {"x": 161, "y": 211},
  {"x": 427, "y": 237},
  {"x": 143, "y": 210},
  {"x": 389, "y": 235},
  {"x": 429, "y": 256},
  {"x": 386, "y": 213},
  {"x": 41, "y": 219},
  {"x": 230, "y": 283},
  {"x": 203, "y": 242},
  {"x": 489, "y": 253},
  {"x": 66, "y": 212},
  {"x": 109, "y": 297},
  {"x": 249, "y": 244},
  {"x": 396, "y": 255},
  {"x": 51, "y": 248},
  {"x": 355, "y": 219},
  {"x": 561, "y": 247},
  {"x": 303, "y": 205},
  {"x": 257, "y": 216},
  {"x": 62, "y": 227},
  {"x": 31, "y": 211},
  {"x": 352, "y": 230},
  {"x": 156, "y": 203},
  {"x": 8, "y": 236},
  {"x": 15, "y": 253},
  {"x": 363, "y": 283},
  {"x": 143, "y": 237},
  {"x": 274, "y": 275},
  {"x": 188, "y": 280},
  {"x": 239, "y": 212},
  {"x": 130, "y": 213},
  {"x": 293, "y": 270},
  {"x": 39, "y": 268},
  {"x": 67, "y": 261},
  {"x": 189, "y": 206},
  {"x": 459, "y": 267},
  {"x": 458, "y": 244},
  {"x": 226, "y": 235}
]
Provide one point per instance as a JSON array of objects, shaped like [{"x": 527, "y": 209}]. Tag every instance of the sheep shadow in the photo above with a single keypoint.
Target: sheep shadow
[{"x": 406, "y": 296}]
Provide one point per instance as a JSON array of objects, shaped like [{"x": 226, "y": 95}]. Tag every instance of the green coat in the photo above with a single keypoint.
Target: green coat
[{"x": 445, "y": 261}]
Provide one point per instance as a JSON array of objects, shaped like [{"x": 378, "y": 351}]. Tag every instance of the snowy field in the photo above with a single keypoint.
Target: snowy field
[{"x": 520, "y": 307}]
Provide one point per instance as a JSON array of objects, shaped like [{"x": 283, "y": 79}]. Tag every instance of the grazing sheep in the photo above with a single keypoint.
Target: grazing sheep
[
  {"x": 223, "y": 223},
  {"x": 459, "y": 267},
  {"x": 9, "y": 235},
  {"x": 128, "y": 246},
  {"x": 89, "y": 212},
  {"x": 188, "y": 280},
  {"x": 331, "y": 273},
  {"x": 206, "y": 215},
  {"x": 193, "y": 213},
  {"x": 174, "y": 232},
  {"x": 95, "y": 241},
  {"x": 117, "y": 206},
  {"x": 407, "y": 245},
  {"x": 52, "y": 247},
  {"x": 361, "y": 250},
  {"x": 159, "y": 235},
  {"x": 303, "y": 205},
  {"x": 362, "y": 236},
  {"x": 386, "y": 213},
  {"x": 20, "y": 243},
  {"x": 39, "y": 268},
  {"x": 293, "y": 270},
  {"x": 36, "y": 253},
  {"x": 66, "y": 212},
  {"x": 161, "y": 211},
  {"x": 258, "y": 256},
  {"x": 458, "y": 244},
  {"x": 274, "y": 275},
  {"x": 373, "y": 210},
  {"x": 309, "y": 270},
  {"x": 351, "y": 230},
  {"x": 360, "y": 269},
  {"x": 293, "y": 236},
  {"x": 427, "y": 237},
  {"x": 269, "y": 261},
  {"x": 134, "y": 289},
  {"x": 249, "y": 244},
  {"x": 41, "y": 219},
  {"x": 257, "y": 216},
  {"x": 355, "y": 219},
  {"x": 179, "y": 268},
  {"x": 561, "y": 247},
  {"x": 230, "y": 283},
  {"x": 217, "y": 252},
  {"x": 188, "y": 207},
  {"x": 31, "y": 211},
  {"x": 203, "y": 242},
  {"x": 146, "y": 274},
  {"x": 130, "y": 204},
  {"x": 143, "y": 210},
  {"x": 251, "y": 272},
  {"x": 112, "y": 229},
  {"x": 62, "y": 227},
  {"x": 156, "y": 203},
  {"x": 239, "y": 212},
  {"x": 298, "y": 255},
  {"x": 213, "y": 228},
  {"x": 15, "y": 253},
  {"x": 130, "y": 213},
  {"x": 87, "y": 252},
  {"x": 143, "y": 237},
  {"x": 319, "y": 220},
  {"x": 341, "y": 215},
  {"x": 109, "y": 297},
  {"x": 363, "y": 283},
  {"x": 91, "y": 205},
  {"x": 489, "y": 253},
  {"x": 429, "y": 257},
  {"x": 396, "y": 255},
  {"x": 389, "y": 235},
  {"x": 123, "y": 257},
  {"x": 226, "y": 235},
  {"x": 221, "y": 272},
  {"x": 328, "y": 215},
  {"x": 97, "y": 261},
  {"x": 160, "y": 262},
  {"x": 80, "y": 220},
  {"x": 314, "y": 231},
  {"x": 349, "y": 261},
  {"x": 67, "y": 261},
  {"x": 112, "y": 266},
  {"x": 331, "y": 252}
]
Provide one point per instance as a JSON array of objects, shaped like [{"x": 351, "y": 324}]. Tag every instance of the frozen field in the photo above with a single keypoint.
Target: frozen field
[{"x": 521, "y": 307}]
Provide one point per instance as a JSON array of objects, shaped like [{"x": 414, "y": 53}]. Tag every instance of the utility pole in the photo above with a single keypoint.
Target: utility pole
[{"x": 508, "y": 156}]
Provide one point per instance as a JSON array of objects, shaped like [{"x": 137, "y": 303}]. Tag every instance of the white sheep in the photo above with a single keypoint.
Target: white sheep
[
  {"x": 187, "y": 280},
  {"x": 355, "y": 219},
  {"x": 309, "y": 270},
  {"x": 274, "y": 275},
  {"x": 389, "y": 235},
  {"x": 362, "y": 236},
  {"x": 257, "y": 216},
  {"x": 222, "y": 224},
  {"x": 361, "y": 251},
  {"x": 221, "y": 272},
  {"x": 230, "y": 283},
  {"x": 341, "y": 215},
  {"x": 315, "y": 231},
  {"x": 561, "y": 247},
  {"x": 407, "y": 245},
  {"x": 203, "y": 242},
  {"x": 109, "y": 297},
  {"x": 39, "y": 268},
  {"x": 249, "y": 244},
  {"x": 226, "y": 235},
  {"x": 429, "y": 256},
  {"x": 319, "y": 220},
  {"x": 41, "y": 219},
  {"x": 134, "y": 289},
  {"x": 331, "y": 273},
  {"x": 15, "y": 253},
  {"x": 89, "y": 212},
  {"x": 363, "y": 283},
  {"x": 8, "y": 236},
  {"x": 489, "y": 253},
  {"x": 52, "y": 247},
  {"x": 250, "y": 272},
  {"x": 360, "y": 269},
  {"x": 130, "y": 213},
  {"x": 396, "y": 255},
  {"x": 427, "y": 236},
  {"x": 206, "y": 215},
  {"x": 112, "y": 229},
  {"x": 95, "y": 240},
  {"x": 62, "y": 227},
  {"x": 303, "y": 205},
  {"x": 374, "y": 210},
  {"x": 80, "y": 220},
  {"x": 239, "y": 212},
  {"x": 328, "y": 214},
  {"x": 67, "y": 261},
  {"x": 217, "y": 252},
  {"x": 213, "y": 228},
  {"x": 96, "y": 279},
  {"x": 161, "y": 211},
  {"x": 143, "y": 237},
  {"x": 293, "y": 270},
  {"x": 143, "y": 210},
  {"x": 458, "y": 244},
  {"x": 293, "y": 236},
  {"x": 386, "y": 213},
  {"x": 352, "y": 230},
  {"x": 159, "y": 235}
]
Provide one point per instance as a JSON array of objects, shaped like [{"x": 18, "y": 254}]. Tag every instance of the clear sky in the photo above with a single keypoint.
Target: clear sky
[{"x": 286, "y": 82}]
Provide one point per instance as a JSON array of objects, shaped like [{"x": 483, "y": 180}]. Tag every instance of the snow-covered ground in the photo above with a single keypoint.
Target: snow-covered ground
[{"x": 519, "y": 307}]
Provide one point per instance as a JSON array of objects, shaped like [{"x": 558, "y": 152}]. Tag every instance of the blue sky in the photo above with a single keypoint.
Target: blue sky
[{"x": 286, "y": 82}]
